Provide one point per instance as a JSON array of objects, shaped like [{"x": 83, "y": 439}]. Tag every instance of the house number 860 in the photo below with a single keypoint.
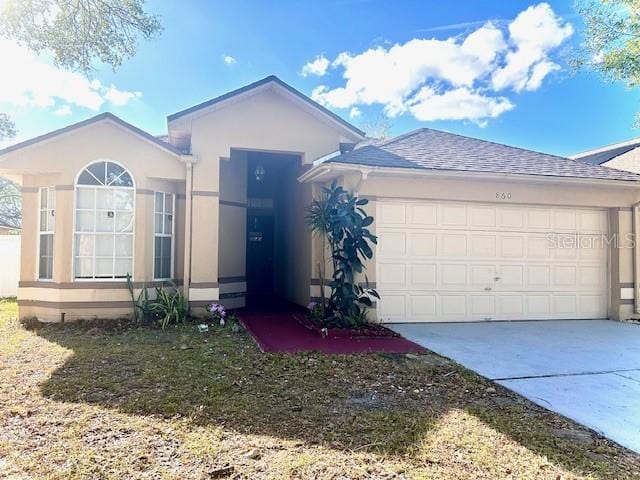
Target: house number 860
[{"x": 503, "y": 195}]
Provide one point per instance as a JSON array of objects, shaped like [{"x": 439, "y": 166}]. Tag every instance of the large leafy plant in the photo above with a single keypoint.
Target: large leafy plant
[{"x": 339, "y": 217}]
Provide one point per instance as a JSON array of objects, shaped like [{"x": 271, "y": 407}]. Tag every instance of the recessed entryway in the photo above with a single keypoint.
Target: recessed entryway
[{"x": 269, "y": 218}]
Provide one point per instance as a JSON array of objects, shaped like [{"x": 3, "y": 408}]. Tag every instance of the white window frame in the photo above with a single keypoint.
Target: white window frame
[
  {"x": 164, "y": 235},
  {"x": 51, "y": 210},
  {"x": 132, "y": 233}
]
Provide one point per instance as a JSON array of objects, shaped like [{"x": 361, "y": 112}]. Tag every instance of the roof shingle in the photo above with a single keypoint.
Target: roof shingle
[{"x": 429, "y": 149}]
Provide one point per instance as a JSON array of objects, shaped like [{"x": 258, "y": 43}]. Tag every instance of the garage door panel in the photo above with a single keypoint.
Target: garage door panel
[
  {"x": 592, "y": 221},
  {"x": 564, "y": 220},
  {"x": 538, "y": 219},
  {"x": 565, "y": 305},
  {"x": 538, "y": 277},
  {"x": 423, "y": 244},
  {"x": 393, "y": 306},
  {"x": 511, "y": 246},
  {"x": 452, "y": 276},
  {"x": 565, "y": 276},
  {"x": 592, "y": 305},
  {"x": 482, "y": 216},
  {"x": 453, "y": 306},
  {"x": 392, "y": 275},
  {"x": 423, "y": 214},
  {"x": 392, "y": 244},
  {"x": 510, "y": 277},
  {"x": 510, "y": 306},
  {"x": 481, "y": 276},
  {"x": 423, "y": 306},
  {"x": 538, "y": 305},
  {"x": 510, "y": 218},
  {"x": 592, "y": 277},
  {"x": 392, "y": 213},
  {"x": 538, "y": 247},
  {"x": 452, "y": 245},
  {"x": 483, "y": 246},
  {"x": 423, "y": 276},
  {"x": 440, "y": 261},
  {"x": 482, "y": 306}
]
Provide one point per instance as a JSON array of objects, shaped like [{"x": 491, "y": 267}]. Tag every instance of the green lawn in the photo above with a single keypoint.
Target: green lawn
[{"x": 145, "y": 403}]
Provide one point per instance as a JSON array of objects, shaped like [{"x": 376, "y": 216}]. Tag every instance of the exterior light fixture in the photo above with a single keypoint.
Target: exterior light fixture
[{"x": 259, "y": 172}]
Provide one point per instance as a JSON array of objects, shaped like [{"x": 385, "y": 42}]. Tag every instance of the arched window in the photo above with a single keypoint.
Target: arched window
[{"x": 104, "y": 219}]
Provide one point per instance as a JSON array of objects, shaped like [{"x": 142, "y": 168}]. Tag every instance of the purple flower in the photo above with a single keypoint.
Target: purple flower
[
  {"x": 312, "y": 305},
  {"x": 217, "y": 310}
]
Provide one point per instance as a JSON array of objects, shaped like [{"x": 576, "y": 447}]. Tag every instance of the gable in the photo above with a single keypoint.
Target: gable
[
  {"x": 65, "y": 154},
  {"x": 180, "y": 124}
]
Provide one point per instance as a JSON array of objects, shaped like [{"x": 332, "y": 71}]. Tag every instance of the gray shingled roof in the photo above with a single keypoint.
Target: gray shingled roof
[
  {"x": 604, "y": 156},
  {"x": 429, "y": 149}
]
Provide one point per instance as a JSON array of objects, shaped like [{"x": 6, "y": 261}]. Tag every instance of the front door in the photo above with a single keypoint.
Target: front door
[{"x": 260, "y": 252}]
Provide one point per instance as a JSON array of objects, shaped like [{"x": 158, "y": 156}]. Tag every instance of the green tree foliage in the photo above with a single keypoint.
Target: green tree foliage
[
  {"x": 7, "y": 128},
  {"x": 10, "y": 203},
  {"x": 612, "y": 39},
  {"x": 344, "y": 222},
  {"x": 77, "y": 32}
]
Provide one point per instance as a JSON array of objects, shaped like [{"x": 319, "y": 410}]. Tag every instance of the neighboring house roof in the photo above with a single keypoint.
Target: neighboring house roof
[
  {"x": 602, "y": 155},
  {"x": 98, "y": 118},
  {"x": 259, "y": 83},
  {"x": 429, "y": 149}
]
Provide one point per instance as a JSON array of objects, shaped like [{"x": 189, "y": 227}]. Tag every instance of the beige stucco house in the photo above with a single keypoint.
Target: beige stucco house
[{"x": 468, "y": 229}]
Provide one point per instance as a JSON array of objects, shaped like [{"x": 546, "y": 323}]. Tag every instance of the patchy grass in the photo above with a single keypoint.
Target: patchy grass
[{"x": 142, "y": 403}]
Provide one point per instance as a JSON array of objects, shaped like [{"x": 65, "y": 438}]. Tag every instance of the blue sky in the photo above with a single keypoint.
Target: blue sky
[{"x": 437, "y": 84}]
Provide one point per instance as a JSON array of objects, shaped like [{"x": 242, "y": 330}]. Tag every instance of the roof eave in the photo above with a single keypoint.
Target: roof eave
[
  {"x": 330, "y": 170},
  {"x": 102, "y": 117}
]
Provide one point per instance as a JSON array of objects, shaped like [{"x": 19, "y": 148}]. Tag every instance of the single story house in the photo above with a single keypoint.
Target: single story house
[{"x": 468, "y": 229}]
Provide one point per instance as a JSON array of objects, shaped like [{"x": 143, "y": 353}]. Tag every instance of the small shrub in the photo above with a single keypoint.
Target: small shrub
[
  {"x": 171, "y": 305},
  {"x": 142, "y": 307},
  {"x": 316, "y": 312}
]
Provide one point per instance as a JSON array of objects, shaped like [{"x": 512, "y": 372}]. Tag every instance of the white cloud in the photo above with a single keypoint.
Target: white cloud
[
  {"x": 63, "y": 111},
  {"x": 458, "y": 104},
  {"x": 229, "y": 60},
  {"x": 534, "y": 34},
  {"x": 316, "y": 67},
  {"x": 355, "y": 112},
  {"x": 33, "y": 82},
  {"x": 119, "y": 98},
  {"x": 425, "y": 77}
]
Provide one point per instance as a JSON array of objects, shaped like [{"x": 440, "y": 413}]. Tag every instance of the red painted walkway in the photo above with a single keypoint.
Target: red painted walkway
[{"x": 276, "y": 330}]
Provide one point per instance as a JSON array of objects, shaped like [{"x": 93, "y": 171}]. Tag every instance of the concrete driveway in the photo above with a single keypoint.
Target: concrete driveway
[{"x": 587, "y": 370}]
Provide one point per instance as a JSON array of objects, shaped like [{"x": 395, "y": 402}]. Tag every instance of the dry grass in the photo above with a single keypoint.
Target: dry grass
[{"x": 144, "y": 403}]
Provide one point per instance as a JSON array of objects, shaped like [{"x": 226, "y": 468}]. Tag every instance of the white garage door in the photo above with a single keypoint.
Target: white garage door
[{"x": 443, "y": 262}]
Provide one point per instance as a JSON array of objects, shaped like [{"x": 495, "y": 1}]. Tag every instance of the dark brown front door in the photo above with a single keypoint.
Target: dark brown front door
[{"x": 260, "y": 252}]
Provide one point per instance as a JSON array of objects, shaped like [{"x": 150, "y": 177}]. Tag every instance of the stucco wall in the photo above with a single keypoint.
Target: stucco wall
[
  {"x": 629, "y": 161},
  {"x": 56, "y": 163}
]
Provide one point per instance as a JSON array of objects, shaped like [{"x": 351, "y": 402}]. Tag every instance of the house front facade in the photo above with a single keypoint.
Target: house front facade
[{"x": 468, "y": 230}]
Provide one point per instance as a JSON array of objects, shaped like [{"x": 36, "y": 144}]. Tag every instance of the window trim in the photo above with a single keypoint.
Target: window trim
[
  {"x": 172, "y": 235},
  {"x": 75, "y": 232},
  {"x": 46, "y": 232}
]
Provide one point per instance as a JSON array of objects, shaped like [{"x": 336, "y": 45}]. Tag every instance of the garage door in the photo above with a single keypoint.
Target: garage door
[{"x": 443, "y": 262}]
